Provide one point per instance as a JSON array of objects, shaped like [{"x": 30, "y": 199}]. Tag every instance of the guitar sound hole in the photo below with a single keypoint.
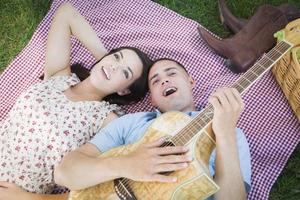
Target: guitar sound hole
[{"x": 123, "y": 189}]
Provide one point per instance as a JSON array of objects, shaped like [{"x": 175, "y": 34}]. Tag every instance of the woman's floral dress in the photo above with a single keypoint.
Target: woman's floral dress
[{"x": 41, "y": 128}]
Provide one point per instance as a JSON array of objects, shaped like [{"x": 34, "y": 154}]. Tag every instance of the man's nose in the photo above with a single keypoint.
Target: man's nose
[{"x": 165, "y": 81}]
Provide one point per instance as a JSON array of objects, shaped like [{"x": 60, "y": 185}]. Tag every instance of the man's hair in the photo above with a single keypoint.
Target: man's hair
[{"x": 169, "y": 59}]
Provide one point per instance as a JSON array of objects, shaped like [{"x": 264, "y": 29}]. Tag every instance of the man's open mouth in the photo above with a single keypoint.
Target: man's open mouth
[{"x": 169, "y": 91}]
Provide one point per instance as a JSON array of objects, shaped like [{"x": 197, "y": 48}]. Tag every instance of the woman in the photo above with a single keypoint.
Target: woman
[{"x": 61, "y": 113}]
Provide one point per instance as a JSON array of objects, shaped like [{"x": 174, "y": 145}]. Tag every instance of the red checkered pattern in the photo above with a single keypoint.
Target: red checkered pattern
[{"x": 269, "y": 123}]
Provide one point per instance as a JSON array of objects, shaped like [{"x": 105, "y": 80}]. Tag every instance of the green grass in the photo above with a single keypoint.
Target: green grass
[
  {"x": 19, "y": 19},
  {"x": 206, "y": 11}
]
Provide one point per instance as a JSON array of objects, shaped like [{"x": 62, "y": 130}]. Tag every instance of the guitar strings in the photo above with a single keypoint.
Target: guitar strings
[{"x": 266, "y": 58}]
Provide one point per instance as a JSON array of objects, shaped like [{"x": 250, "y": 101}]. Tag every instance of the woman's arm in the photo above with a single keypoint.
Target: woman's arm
[
  {"x": 48, "y": 196},
  {"x": 66, "y": 22},
  {"x": 10, "y": 191}
]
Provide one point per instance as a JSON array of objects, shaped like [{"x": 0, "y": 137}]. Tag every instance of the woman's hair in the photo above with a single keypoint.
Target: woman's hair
[{"x": 138, "y": 89}]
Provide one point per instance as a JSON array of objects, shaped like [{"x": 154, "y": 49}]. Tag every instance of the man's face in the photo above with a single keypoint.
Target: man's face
[{"x": 170, "y": 87}]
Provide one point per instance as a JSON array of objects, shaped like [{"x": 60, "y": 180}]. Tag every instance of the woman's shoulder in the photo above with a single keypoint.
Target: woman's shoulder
[
  {"x": 60, "y": 82},
  {"x": 71, "y": 79},
  {"x": 106, "y": 107}
]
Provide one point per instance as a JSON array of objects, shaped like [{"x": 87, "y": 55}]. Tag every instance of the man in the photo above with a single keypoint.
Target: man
[{"x": 171, "y": 90}]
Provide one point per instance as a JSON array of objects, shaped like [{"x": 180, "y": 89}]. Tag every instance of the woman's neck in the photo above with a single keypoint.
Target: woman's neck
[{"x": 84, "y": 91}]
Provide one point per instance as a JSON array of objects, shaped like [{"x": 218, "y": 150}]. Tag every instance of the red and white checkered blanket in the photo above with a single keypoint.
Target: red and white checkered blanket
[{"x": 269, "y": 123}]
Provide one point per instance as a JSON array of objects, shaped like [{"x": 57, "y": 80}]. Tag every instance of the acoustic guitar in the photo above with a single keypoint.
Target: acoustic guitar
[{"x": 194, "y": 182}]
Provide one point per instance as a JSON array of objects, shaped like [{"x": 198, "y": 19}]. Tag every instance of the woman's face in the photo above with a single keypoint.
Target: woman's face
[{"x": 116, "y": 72}]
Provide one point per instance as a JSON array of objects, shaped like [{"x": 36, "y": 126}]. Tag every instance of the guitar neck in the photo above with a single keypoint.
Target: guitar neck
[
  {"x": 199, "y": 122},
  {"x": 261, "y": 66}
]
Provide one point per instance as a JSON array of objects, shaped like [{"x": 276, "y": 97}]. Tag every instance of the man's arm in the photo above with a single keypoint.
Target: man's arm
[
  {"x": 228, "y": 106},
  {"x": 83, "y": 167},
  {"x": 228, "y": 172}
]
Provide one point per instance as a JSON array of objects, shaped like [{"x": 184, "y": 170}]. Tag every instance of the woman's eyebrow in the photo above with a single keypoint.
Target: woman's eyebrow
[{"x": 121, "y": 54}]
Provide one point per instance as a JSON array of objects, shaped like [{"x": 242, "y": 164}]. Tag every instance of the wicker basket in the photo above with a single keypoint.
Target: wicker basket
[{"x": 287, "y": 74}]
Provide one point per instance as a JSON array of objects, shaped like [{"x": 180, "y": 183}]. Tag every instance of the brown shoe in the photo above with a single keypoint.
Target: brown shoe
[
  {"x": 228, "y": 19},
  {"x": 291, "y": 12},
  {"x": 238, "y": 61},
  {"x": 236, "y": 24},
  {"x": 255, "y": 38}
]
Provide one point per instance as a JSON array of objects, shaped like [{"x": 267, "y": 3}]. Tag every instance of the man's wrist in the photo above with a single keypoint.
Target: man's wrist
[
  {"x": 116, "y": 166},
  {"x": 225, "y": 132},
  {"x": 225, "y": 138}
]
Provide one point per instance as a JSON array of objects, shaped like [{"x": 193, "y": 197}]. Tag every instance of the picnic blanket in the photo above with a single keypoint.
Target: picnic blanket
[{"x": 270, "y": 126}]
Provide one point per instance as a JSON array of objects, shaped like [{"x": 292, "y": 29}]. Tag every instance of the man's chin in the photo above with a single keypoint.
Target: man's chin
[{"x": 170, "y": 107}]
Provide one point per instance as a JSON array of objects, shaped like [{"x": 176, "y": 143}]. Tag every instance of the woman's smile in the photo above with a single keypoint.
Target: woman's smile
[{"x": 106, "y": 73}]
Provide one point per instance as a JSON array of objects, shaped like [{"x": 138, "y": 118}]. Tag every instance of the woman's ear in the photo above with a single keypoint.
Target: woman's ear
[{"x": 124, "y": 92}]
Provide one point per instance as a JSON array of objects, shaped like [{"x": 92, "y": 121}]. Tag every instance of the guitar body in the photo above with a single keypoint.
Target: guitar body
[{"x": 194, "y": 182}]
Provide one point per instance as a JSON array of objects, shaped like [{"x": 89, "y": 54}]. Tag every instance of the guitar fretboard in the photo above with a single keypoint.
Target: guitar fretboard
[
  {"x": 261, "y": 66},
  {"x": 242, "y": 84}
]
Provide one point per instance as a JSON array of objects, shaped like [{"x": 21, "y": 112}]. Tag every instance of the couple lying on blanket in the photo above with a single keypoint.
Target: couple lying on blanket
[{"x": 57, "y": 128}]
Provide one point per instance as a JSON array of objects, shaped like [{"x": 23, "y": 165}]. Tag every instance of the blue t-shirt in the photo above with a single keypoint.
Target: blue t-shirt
[{"x": 131, "y": 127}]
